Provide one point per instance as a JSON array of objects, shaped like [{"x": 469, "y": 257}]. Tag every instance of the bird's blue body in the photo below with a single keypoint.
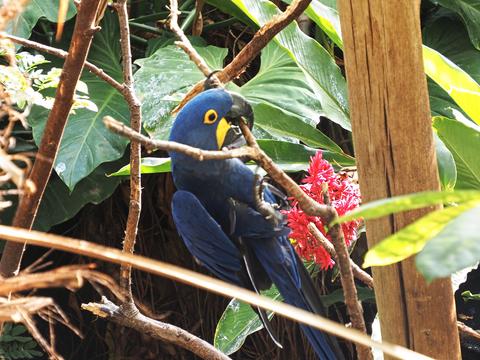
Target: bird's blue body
[{"x": 215, "y": 213}]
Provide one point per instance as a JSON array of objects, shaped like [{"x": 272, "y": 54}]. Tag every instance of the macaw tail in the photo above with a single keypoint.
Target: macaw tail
[{"x": 287, "y": 272}]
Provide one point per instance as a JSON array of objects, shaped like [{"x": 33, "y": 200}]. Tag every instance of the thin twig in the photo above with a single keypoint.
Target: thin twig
[
  {"x": 47, "y": 152},
  {"x": 63, "y": 55},
  {"x": 196, "y": 153},
  {"x": 9, "y": 308},
  {"x": 156, "y": 329},
  {"x": 308, "y": 205},
  {"x": 71, "y": 277},
  {"x": 184, "y": 43},
  {"x": 354, "y": 306},
  {"x": 134, "y": 106},
  {"x": 360, "y": 274},
  {"x": 467, "y": 331},
  {"x": 261, "y": 38},
  {"x": 32, "y": 329},
  {"x": 201, "y": 281}
]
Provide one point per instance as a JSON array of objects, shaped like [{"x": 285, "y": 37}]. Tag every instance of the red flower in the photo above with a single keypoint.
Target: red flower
[{"x": 344, "y": 196}]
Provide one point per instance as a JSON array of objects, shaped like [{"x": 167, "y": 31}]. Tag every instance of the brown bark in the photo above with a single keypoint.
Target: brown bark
[
  {"x": 395, "y": 155},
  {"x": 29, "y": 203}
]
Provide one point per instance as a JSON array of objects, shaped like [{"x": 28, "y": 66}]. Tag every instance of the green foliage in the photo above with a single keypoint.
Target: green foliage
[
  {"x": 383, "y": 207},
  {"x": 16, "y": 343},
  {"x": 467, "y": 296},
  {"x": 323, "y": 75},
  {"x": 447, "y": 239},
  {"x": 60, "y": 204},
  {"x": 413, "y": 238},
  {"x": 456, "y": 82},
  {"x": 469, "y": 11},
  {"x": 239, "y": 320},
  {"x": 86, "y": 142},
  {"x": 446, "y": 165},
  {"x": 148, "y": 166},
  {"x": 26, "y": 84},
  {"x": 35, "y": 10},
  {"x": 463, "y": 141},
  {"x": 161, "y": 91},
  {"x": 324, "y": 13},
  {"x": 455, "y": 247}
]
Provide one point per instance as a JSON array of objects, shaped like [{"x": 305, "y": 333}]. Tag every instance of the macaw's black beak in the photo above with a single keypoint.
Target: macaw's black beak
[{"x": 241, "y": 111}]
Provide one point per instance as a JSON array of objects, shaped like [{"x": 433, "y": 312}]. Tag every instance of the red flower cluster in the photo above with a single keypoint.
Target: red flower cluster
[{"x": 344, "y": 196}]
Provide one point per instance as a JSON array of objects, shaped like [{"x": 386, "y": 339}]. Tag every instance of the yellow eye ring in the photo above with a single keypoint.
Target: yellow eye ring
[{"x": 210, "y": 117}]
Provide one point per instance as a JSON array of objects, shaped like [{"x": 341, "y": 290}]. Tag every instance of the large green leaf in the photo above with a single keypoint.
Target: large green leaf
[
  {"x": 324, "y": 13},
  {"x": 59, "y": 204},
  {"x": 455, "y": 81},
  {"x": 86, "y": 142},
  {"x": 463, "y": 141},
  {"x": 456, "y": 247},
  {"x": 296, "y": 157},
  {"x": 35, "y": 10},
  {"x": 447, "y": 169},
  {"x": 149, "y": 165},
  {"x": 281, "y": 84},
  {"x": 412, "y": 239},
  {"x": 448, "y": 36},
  {"x": 383, "y": 207},
  {"x": 162, "y": 81},
  {"x": 239, "y": 320},
  {"x": 323, "y": 75},
  {"x": 275, "y": 121},
  {"x": 230, "y": 8},
  {"x": 469, "y": 11}
]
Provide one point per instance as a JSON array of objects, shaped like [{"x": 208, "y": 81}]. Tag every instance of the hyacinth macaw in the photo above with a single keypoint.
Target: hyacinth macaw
[{"x": 215, "y": 211}]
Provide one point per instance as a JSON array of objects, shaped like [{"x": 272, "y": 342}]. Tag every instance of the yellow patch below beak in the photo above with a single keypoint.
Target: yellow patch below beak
[{"x": 222, "y": 129}]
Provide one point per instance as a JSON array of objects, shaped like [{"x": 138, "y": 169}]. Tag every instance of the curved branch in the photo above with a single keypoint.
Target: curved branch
[
  {"x": 261, "y": 38},
  {"x": 63, "y": 55},
  {"x": 156, "y": 329},
  {"x": 201, "y": 281}
]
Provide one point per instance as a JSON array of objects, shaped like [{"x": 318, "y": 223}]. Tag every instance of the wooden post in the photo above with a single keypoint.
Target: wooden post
[{"x": 395, "y": 155}]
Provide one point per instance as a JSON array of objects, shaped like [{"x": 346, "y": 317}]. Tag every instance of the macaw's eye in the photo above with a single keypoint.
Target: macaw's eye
[{"x": 210, "y": 117}]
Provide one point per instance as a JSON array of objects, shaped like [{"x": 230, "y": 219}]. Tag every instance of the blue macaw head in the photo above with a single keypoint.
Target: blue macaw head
[{"x": 209, "y": 121}]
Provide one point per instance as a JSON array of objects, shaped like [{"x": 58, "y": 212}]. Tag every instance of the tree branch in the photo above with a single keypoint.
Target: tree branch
[
  {"x": 184, "y": 43},
  {"x": 42, "y": 168},
  {"x": 201, "y": 281},
  {"x": 196, "y": 153},
  {"x": 134, "y": 106},
  {"x": 261, "y": 38},
  {"x": 156, "y": 329},
  {"x": 63, "y": 55},
  {"x": 71, "y": 277},
  {"x": 360, "y": 274},
  {"x": 354, "y": 307}
]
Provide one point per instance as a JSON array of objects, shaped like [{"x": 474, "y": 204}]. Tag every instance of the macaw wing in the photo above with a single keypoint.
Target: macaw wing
[{"x": 204, "y": 238}]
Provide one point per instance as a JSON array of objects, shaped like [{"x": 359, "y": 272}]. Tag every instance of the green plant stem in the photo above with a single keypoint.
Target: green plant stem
[
  {"x": 139, "y": 40},
  {"x": 151, "y": 17},
  {"x": 186, "y": 5},
  {"x": 220, "y": 24},
  {"x": 188, "y": 21},
  {"x": 148, "y": 28}
]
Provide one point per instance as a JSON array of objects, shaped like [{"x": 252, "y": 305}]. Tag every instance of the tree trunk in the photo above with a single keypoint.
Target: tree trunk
[{"x": 395, "y": 155}]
